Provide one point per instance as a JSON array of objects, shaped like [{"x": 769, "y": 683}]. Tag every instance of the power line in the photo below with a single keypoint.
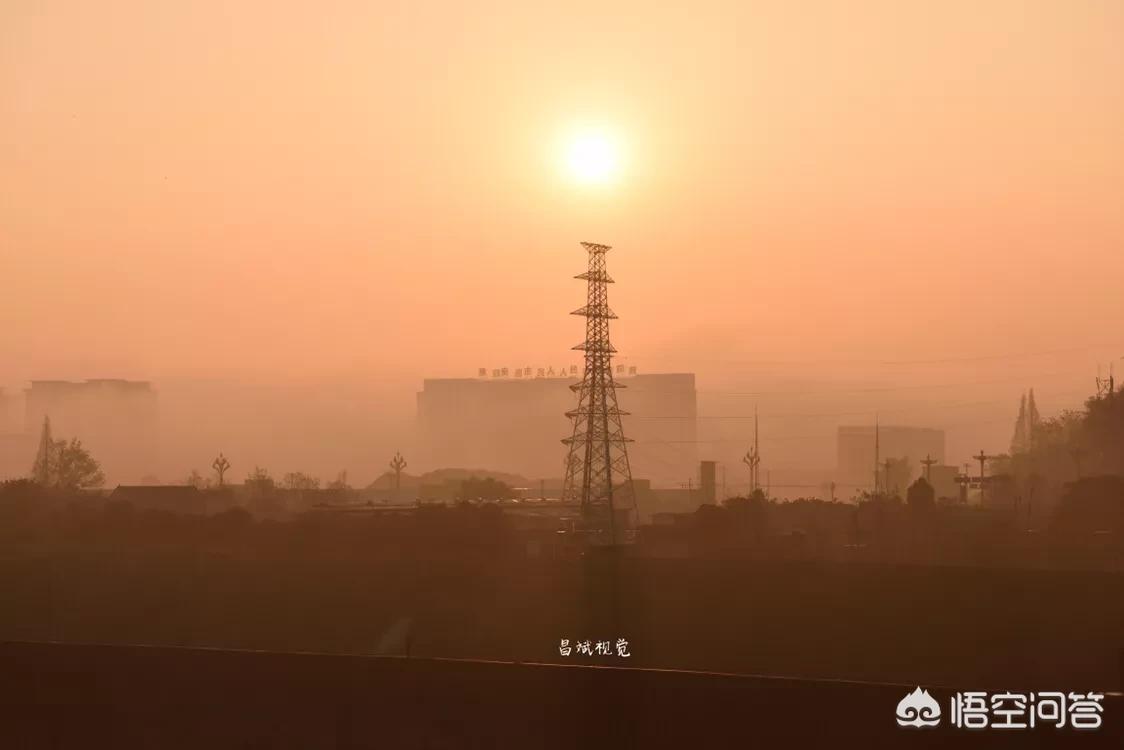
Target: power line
[
  {"x": 894, "y": 363},
  {"x": 988, "y": 357},
  {"x": 819, "y": 436},
  {"x": 888, "y": 389},
  {"x": 816, "y": 415}
]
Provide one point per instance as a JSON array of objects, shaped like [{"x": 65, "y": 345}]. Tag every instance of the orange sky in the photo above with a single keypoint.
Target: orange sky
[{"x": 367, "y": 191}]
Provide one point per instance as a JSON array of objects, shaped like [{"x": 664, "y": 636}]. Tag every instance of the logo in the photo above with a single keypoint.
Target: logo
[{"x": 918, "y": 709}]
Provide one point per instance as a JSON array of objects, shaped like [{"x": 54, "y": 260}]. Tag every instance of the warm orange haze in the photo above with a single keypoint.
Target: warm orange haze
[
  {"x": 286, "y": 216},
  {"x": 363, "y": 364}
]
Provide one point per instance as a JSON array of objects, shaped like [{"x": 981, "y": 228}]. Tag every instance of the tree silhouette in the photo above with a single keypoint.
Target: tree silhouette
[
  {"x": 259, "y": 482},
  {"x": 196, "y": 480},
  {"x": 64, "y": 465},
  {"x": 1020, "y": 438},
  {"x": 1032, "y": 417},
  {"x": 75, "y": 468},
  {"x": 298, "y": 480}
]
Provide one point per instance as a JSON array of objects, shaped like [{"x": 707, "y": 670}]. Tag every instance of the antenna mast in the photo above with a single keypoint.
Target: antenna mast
[{"x": 876, "y": 465}]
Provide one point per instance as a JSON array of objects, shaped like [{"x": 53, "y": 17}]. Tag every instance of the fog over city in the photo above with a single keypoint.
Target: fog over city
[{"x": 328, "y": 422}]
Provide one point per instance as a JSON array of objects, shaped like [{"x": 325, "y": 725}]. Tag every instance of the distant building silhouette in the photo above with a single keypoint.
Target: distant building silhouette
[
  {"x": 943, "y": 479},
  {"x": 9, "y": 421},
  {"x": 512, "y": 424},
  {"x": 17, "y": 445},
  {"x": 114, "y": 419},
  {"x": 707, "y": 482}
]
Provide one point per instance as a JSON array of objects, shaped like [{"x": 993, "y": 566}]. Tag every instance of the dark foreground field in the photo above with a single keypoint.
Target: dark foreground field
[
  {"x": 976, "y": 628},
  {"x": 119, "y": 697}
]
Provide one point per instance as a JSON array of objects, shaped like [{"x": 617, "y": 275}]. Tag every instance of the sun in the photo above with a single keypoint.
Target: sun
[{"x": 592, "y": 156}]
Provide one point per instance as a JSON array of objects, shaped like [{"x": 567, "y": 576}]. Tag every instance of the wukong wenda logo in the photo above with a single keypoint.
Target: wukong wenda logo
[
  {"x": 978, "y": 709},
  {"x": 918, "y": 709}
]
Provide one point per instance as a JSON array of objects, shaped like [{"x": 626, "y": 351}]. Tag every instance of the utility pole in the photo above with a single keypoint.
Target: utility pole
[
  {"x": 397, "y": 464},
  {"x": 928, "y": 462},
  {"x": 964, "y": 480},
  {"x": 876, "y": 467},
  {"x": 220, "y": 466},
  {"x": 982, "y": 458},
  {"x": 752, "y": 458},
  {"x": 598, "y": 475},
  {"x": 756, "y": 450}
]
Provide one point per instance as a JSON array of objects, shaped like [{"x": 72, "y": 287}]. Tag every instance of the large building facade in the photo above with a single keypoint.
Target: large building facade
[
  {"x": 116, "y": 420},
  {"x": 14, "y": 442},
  {"x": 516, "y": 424}
]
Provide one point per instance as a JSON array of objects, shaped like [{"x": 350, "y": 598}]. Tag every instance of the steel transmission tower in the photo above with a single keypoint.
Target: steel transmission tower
[{"x": 598, "y": 476}]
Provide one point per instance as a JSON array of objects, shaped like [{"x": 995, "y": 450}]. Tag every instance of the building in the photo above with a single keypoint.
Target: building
[
  {"x": 10, "y": 423},
  {"x": 116, "y": 420},
  {"x": 708, "y": 482},
  {"x": 944, "y": 481},
  {"x": 516, "y": 424},
  {"x": 17, "y": 451},
  {"x": 855, "y": 452}
]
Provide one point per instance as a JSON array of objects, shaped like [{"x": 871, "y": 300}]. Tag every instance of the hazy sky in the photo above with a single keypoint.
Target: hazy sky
[{"x": 264, "y": 191}]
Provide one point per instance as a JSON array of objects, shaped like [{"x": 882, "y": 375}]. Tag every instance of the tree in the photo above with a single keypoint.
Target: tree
[
  {"x": 1103, "y": 433},
  {"x": 1019, "y": 438},
  {"x": 298, "y": 480},
  {"x": 1032, "y": 417},
  {"x": 75, "y": 468},
  {"x": 65, "y": 465},
  {"x": 1076, "y": 443},
  {"x": 197, "y": 480},
  {"x": 340, "y": 482},
  {"x": 1090, "y": 505},
  {"x": 259, "y": 482}
]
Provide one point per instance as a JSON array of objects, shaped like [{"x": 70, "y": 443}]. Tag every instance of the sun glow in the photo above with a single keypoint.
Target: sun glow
[{"x": 592, "y": 157}]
